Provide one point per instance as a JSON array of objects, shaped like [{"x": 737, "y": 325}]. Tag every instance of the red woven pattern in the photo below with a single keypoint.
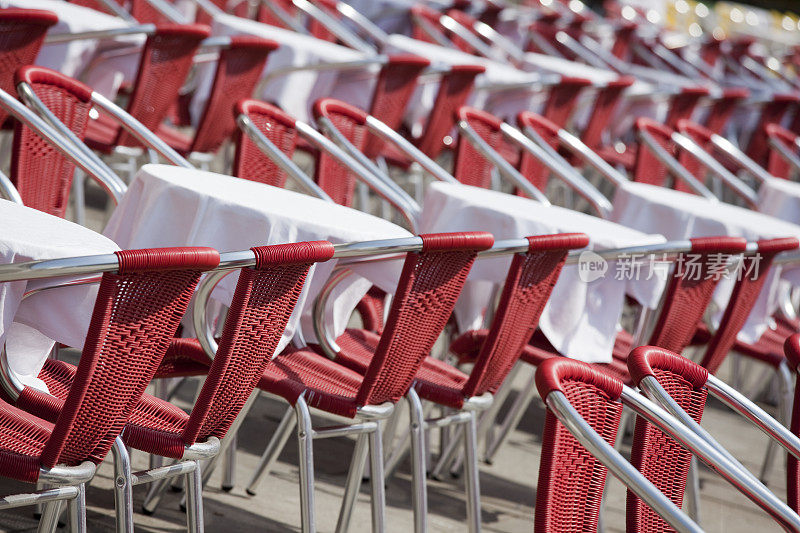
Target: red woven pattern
[
  {"x": 605, "y": 104},
  {"x": 771, "y": 113},
  {"x": 22, "y": 33},
  {"x": 529, "y": 282},
  {"x": 562, "y": 99},
  {"x": 393, "y": 89},
  {"x": 249, "y": 162},
  {"x": 135, "y": 316},
  {"x": 372, "y": 308},
  {"x": 683, "y": 104},
  {"x": 755, "y": 270},
  {"x": 659, "y": 457},
  {"x": 529, "y": 166},
  {"x": 723, "y": 108},
  {"x": 571, "y": 480},
  {"x": 165, "y": 63},
  {"x": 776, "y": 165},
  {"x": 239, "y": 68},
  {"x": 471, "y": 167},
  {"x": 333, "y": 177},
  {"x": 454, "y": 89},
  {"x": 648, "y": 169},
  {"x": 690, "y": 290},
  {"x": 40, "y": 173},
  {"x": 22, "y": 439}
]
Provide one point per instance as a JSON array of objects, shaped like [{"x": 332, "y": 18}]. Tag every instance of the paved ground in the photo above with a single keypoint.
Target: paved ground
[{"x": 508, "y": 486}]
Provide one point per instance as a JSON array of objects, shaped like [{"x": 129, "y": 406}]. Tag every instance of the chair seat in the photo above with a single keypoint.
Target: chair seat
[
  {"x": 22, "y": 439},
  {"x": 324, "y": 384}
]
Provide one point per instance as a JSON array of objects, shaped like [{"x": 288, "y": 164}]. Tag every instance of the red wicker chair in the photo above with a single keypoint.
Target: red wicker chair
[
  {"x": 238, "y": 71},
  {"x": 22, "y": 33},
  {"x": 723, "y": 107},
  {"x": 138, "y": 309},
  {"x": 605, "y": 104},
  {"x": 772, "y": 112},
  {"x": 163, "y": 67},
  {"x": 776, "y": 164},
  {"x": 792, "y": 348},
  {"x": 265, "y": 298}
]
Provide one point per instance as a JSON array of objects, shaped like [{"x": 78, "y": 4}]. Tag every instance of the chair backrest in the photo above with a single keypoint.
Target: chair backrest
[
  {"x": 690, "y": 288},
  {"x": 771, "y": 113},
  {"x": 331, "y": 175},
  {"x": 647, "y": 168},
  {"x": 529, "y": 282},
  {"x": 429, "y": 286},
  {"x": 791, "y": 348},
  {"x": 530, "y": 167},
  {"x": 776, "y": 164},
  {"x": 136, "y": 315},
  {"x": 471, "y": 167},
  {"x": 624, "y": 37},
  {"x": 163, "y": 67},
  {"x": 683, "y": 104},
  {"x": 265, "y": 297},
  {"x": 39, "y": 172},
  {"x": 420, "y": 12},
  {"x": 723, "y": 107},
  {"x": 752, "y": 275},
  {"x": 605, "y": 104},
  {"x": 393, "y": 90},
  {"x": 562, "y": 99},
  {"x": 22, "y": 33},
  {"x": 454, "y": 89},
  {"x": 571, "y": 480},
  {"x": 657, "y": 456},
  {"x": 251, "y": 163},
  {"x": 238, "y": 70}
]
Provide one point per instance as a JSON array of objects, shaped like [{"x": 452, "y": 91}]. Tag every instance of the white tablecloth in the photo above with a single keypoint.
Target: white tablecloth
[
  {"x": 781, "y": 199},
  {"x": 581, "y": 318},
  {"x": 503, "y": 103},
  {"x": 61, "y": 314},
  {"x": 171, "y": 206},
  {"x": 296, "y": 92},
  {"x": 73, "y": 58},
  {"x": 678, "y": 215}
]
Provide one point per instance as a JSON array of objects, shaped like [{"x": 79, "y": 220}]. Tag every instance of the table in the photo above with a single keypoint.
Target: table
[
  {"x": 581, "y": 318},
  {"x": 781, "y": 199},
  {"x": 678, "y": 215},
  {"x": 295, "y": 92},
  {"x": 29, "y": 327},
  {"x": 73, "y": 58},
  {"x": 172, "y": 206}
]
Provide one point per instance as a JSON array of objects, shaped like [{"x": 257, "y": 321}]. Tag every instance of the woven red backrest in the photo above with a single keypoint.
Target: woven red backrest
[
  {"x": 393, "y": 90},
  {"x": 711, "y": 50},
  {"x": 723, "y": 107},
  {"x": 467, "y": 21},
  {"x": 165, "y": 63},
  {"x": 702, "y": 137},
  {"x": 136, "y": 315},
  {"x": 624, "y": 37},
  {"x": 530, "y": 167},
  {"x": 792, "y": 350},
  {"x": 657, "y": 456},
  {"x": 529, "y": 282},
  {"x": 690, "y": 289},
  {"x": 771, "y": 113},
  {"x": 419, "y": 11},
  {"x": 333, "y": 177},
  {"x": 40, "y": 173},
  {"x": 267, "y": 17},
  {"x": 562, "y": 99},
  {"x": 753, "y": 274},
  {"x": 683, "y": 104},
  {"x": 262, "y": 304},
  {"x": 471, "y": 167},
  {"x": 646, "y": 168},
  {"x": 22, "y": 33},
  {"x": 316, "y": 28},
  {"x": 454, "y": 89},
  {"x": 251, "y": 163},
  {"x": 777, "y": 165},
  {"x": 571, "y": 480},
  {"x": 238, "y": 70},
  {"x": 605, "y": 104},
  {"x": 202, "y": 16},
  {"x": 426, "y": 293}
]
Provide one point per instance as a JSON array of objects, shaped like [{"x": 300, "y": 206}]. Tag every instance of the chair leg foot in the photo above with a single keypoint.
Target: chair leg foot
[{"x": 273, "y": 449}]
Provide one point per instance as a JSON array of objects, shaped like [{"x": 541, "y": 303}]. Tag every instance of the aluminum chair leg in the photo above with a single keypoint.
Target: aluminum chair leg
[
  {"x": 377, "y": 479},
  {"x": 305, "y": 444},
  {"x": 487, "y": 419},
  {"x": 273, "y": 449},
  {"x": 48, "y": 523},
  {"x": 784, "y": 413},
  {"x": 229, "y": 465},
  {"x": 511, "y": 421},
  {"x": 472, "y": 478},
  {"x": 78, "y": 194},
  {"x": 448, "y": 454},
  {"x": 123, "y": 491},
  {"x": 230, "y": 437},
  {"x": 194, "y": 500},
  {"x": 693, "y": 490},
  {"x": 77, "y": 511},
  {"x": 353, "y": 483},
  {"x": 417, "y": 436}
]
